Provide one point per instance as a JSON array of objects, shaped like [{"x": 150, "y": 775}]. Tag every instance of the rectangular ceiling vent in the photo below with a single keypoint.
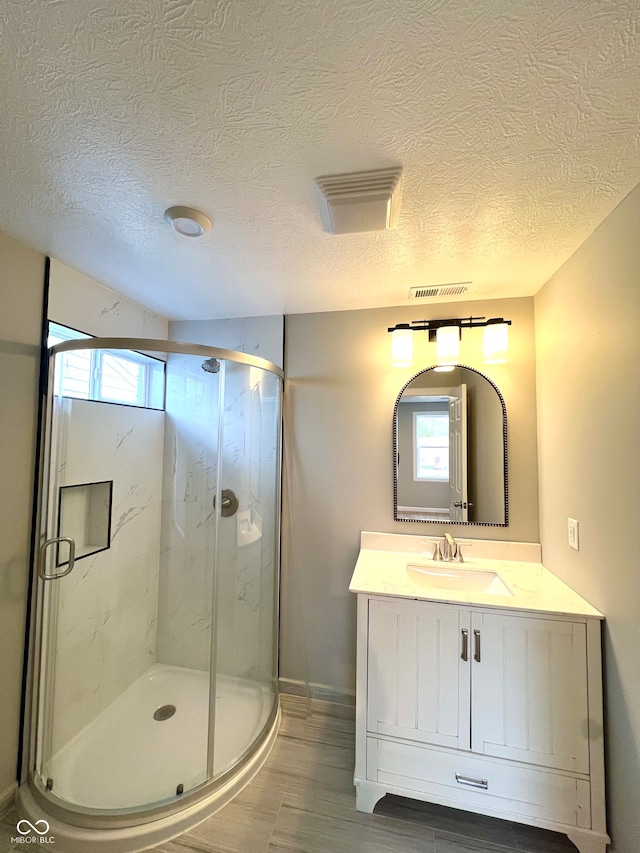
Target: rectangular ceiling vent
[
  {"x": 360, "y": 201},
  {"x": 440, "y": 290}
]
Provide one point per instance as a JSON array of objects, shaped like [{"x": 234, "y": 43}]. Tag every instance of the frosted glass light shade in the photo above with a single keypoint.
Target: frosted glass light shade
[
  {"x": 187, "y": 221},
  {"x": 447, "y": 346},
  {"x": 496, "y": 343},
  {"x": 402, "y": 348}
]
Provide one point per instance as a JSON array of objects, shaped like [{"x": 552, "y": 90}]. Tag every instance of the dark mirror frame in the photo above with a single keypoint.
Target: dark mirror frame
[{"x": 395, "y": 458}]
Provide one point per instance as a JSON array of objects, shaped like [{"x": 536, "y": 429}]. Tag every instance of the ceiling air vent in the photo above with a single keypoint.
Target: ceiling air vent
[
  {"x": 360, "y": 201},
  {"x": 423, "y": 292},
  {"x": 455, "y": 289}
]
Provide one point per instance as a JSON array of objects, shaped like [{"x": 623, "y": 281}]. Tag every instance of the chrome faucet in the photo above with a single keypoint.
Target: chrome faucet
[
  {"x": 452, "y": 551},
  {"x": 447, "y": 551}
]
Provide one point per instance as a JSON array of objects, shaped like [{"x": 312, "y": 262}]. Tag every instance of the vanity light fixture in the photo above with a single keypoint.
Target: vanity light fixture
[
  {"x": 447, "y": 347},
  {"x": 402, "y": 345},
  {"x": 447, "y": 334},
  {"x": 496, "y": 341},
  {"x": 187, "y": 221}
]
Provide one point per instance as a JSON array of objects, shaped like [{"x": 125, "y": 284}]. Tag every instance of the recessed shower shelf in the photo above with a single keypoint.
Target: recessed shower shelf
[{"x": 85, "y": 516}]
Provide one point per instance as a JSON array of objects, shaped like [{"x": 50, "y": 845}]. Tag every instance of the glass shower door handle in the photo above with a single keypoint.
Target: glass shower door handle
[{"x": 72, "y": 558}]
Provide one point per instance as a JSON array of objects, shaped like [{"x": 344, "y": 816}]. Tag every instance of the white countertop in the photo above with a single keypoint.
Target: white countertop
[{"x": 382, "y": 571}]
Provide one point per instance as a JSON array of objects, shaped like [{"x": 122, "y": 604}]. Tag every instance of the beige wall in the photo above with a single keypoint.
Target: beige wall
[
  {"x": 339, "y": 399},
  {"x": 588, "y": 358},
  {"x": 21, "y": 290}
]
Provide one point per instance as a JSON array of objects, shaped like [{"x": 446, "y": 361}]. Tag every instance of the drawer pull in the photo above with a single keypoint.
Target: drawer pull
[{"x": 472, "y": 783}]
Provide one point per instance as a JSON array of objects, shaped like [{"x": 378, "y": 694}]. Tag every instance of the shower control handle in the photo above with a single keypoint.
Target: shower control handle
[
  {"x": 229, "y": 503},
  {"x": 72, "y": 558}
]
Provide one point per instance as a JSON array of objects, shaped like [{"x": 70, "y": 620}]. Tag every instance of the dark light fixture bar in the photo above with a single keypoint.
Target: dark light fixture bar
[
  {"x": 432, "y": 326},
  {"x": 447, "y": 335}
]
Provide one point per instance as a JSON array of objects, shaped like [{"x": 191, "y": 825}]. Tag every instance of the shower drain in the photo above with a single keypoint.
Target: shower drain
[{"x": 164, "y": 712}]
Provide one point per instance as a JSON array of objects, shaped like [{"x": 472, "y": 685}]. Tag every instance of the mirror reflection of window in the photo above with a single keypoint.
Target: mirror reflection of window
[
  {"x": 431, "y": 445},
  {"x": 450, "y": 441}
]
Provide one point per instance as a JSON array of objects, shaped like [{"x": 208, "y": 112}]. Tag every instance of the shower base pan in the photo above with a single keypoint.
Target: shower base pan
[{"x": 138, "y": 751}]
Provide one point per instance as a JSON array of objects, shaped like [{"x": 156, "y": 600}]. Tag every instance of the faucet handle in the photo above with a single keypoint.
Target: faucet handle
[
  {"x": 437, "y": 552},
  {"x": 459, "y": 542}
]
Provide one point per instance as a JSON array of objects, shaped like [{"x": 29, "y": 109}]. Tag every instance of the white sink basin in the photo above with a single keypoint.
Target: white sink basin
[{"x": 437, "y": 575}]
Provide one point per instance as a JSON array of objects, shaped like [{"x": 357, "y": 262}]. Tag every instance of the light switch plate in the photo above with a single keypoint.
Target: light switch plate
[{"x": 574, "y": 534}]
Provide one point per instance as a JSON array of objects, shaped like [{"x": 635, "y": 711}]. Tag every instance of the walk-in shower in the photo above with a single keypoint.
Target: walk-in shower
[{"x": 152, "y": 676}]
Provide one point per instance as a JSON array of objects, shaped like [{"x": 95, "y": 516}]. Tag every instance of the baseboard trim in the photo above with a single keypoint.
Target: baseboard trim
[
  {"x": 8, "y": 798},
  {"x": 321, "y": 692}
]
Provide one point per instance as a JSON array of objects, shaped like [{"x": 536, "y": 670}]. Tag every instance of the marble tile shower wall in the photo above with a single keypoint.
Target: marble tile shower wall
[
  {"x": 149, "y": 597},
  {"x": 106, "y": 623},
  {"x": 188, "y": 518},
  {"x": 245, "y": 550},
  {"x": 247, "y": 546}
]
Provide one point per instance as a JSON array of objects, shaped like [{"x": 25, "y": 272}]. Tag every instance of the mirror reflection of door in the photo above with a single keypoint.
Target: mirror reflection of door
[{"x": 451, "y": 449}]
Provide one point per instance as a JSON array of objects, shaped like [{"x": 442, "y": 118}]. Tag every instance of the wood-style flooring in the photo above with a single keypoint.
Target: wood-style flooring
[{"x": 303, "y": 801}]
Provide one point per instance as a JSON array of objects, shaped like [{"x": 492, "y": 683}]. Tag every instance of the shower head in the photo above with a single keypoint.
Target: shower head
[{"x": 211, "y": 365}]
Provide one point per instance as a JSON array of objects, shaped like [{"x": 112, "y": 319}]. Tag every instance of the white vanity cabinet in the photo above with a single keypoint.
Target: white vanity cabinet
[
  {"x": 490, "y": 710},
  {"x": 418, "y": 684}
]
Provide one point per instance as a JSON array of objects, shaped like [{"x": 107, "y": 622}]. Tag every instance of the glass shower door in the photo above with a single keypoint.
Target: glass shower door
[
  {"x": 124, "y": 694},
  {"x": 247, "y": 551}
]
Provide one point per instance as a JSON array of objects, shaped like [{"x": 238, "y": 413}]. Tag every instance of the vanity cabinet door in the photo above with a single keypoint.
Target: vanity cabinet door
[
  {"x": 529, "y": 690},
  {"x": 418, "y": 672}
]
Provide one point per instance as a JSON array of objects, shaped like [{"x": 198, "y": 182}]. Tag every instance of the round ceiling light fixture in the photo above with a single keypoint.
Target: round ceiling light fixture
[{"x": 187, "y": 221}]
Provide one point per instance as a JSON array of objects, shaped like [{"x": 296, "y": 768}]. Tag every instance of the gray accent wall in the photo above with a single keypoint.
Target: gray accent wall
[
  {"x": 339, "y": 397},
  {"x": 588, "y": 358},
  {"x": 21, "y": 295}
]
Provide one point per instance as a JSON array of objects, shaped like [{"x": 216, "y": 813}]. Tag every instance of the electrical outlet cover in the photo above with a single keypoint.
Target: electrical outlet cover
[{"x": 574, "y": 534}]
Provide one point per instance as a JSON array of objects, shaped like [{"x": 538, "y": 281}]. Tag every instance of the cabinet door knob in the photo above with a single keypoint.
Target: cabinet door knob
[
  {"x": 465, "y": 645},
  {"x": 476, "y": 637}
]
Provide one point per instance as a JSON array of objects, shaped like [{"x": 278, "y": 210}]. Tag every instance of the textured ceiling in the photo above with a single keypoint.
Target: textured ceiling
[{"x": 516, "y": 124}]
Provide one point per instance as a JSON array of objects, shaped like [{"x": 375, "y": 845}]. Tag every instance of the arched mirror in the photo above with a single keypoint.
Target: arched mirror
[{"x": 450, "y": 449}]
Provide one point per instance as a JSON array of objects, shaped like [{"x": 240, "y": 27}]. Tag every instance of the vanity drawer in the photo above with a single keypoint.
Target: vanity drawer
[{"x": 478, "y": 783}]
